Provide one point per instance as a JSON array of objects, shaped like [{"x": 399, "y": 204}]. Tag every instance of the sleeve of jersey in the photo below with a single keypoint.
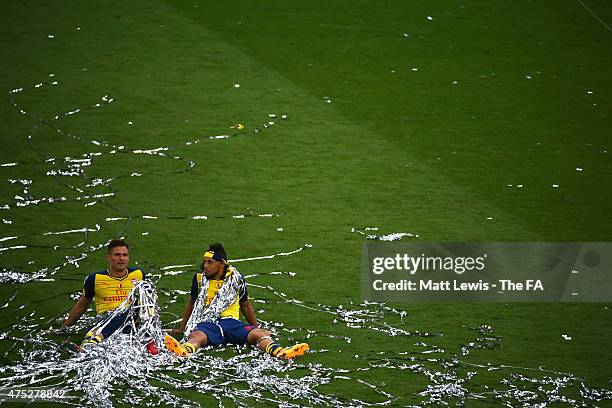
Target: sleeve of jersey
[
  {"x": 243, "y": 292},
  {"x": 194, "y": 287},
  {"x": 88, "y": 286}
]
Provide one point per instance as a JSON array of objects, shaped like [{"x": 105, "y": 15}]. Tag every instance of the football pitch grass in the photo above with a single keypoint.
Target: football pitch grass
[{"x": 452, "y": 121}]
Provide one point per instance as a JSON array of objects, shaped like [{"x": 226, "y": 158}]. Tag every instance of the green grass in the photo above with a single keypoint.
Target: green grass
[{"x": 401, "y": 149}]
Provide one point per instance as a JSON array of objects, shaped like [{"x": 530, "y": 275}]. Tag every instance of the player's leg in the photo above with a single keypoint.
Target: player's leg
[
  {"x": 196, "y": 339},
  {"x": 204, "y": 334},
  {"x": 262, "y": 339},
  {"x": 109, "y": 325}
]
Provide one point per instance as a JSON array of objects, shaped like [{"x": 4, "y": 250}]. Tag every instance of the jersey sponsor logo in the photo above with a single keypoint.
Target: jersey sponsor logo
[{"x": 117, "y": 298}]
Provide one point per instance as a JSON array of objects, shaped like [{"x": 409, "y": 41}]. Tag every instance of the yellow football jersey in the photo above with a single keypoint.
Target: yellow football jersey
[
  {"x": 109, "y": 291},
  {"x": 213, "y": 287}
]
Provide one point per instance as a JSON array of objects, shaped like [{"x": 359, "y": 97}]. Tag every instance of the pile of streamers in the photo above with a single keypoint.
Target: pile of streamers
[{"x": 120, "y": 370}]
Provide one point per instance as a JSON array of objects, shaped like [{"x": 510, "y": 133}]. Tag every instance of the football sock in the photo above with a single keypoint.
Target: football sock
[
  {"x": 93, "y": 340},
  {"x": 273, "y": 349},
  {"x": 189, "y": 347}
]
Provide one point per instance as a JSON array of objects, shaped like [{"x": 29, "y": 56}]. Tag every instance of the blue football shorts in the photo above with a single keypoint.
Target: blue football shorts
[{"x": 225, "y": 331}]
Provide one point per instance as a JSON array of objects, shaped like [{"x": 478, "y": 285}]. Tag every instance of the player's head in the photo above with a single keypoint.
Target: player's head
[
  {"x": 215, "y": 260},
  {"x": 118, "y": 255}
]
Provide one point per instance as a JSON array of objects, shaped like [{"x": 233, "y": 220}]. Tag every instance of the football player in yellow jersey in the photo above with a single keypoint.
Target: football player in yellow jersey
[
  {"x": 109, "y": 288},
  {"x": 222, "y": 304}
]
